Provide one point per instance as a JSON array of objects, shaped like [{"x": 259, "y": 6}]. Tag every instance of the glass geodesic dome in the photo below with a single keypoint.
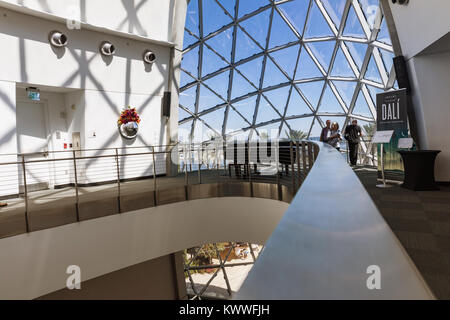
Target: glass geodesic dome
[{"x": 255, "y": 67}]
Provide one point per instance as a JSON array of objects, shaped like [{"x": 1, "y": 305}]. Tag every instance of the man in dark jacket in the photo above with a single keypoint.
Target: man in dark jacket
[{"x": 352, "y": 134}]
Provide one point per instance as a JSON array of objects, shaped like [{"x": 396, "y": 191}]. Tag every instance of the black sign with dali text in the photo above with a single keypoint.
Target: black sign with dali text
[{"x": 391, "y": 110}]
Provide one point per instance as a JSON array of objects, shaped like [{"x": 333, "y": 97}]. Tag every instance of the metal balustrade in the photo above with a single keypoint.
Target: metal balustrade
[{"x": 45, "y": 190}]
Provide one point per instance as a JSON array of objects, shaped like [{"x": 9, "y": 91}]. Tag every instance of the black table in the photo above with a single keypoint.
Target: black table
[{"x": 419, "y": 169}]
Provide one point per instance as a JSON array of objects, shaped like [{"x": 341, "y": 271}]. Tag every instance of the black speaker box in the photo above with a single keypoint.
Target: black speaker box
[
  {"x": 402, "y": 73},
  {"x": 166, "y": 104}
]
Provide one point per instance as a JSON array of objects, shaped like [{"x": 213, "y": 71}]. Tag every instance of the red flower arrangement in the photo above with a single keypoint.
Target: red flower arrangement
[{"x": 129, "y": 115}]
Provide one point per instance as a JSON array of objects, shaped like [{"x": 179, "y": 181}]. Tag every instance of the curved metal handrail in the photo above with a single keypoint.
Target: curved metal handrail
[{"x": 333, "y": 237}]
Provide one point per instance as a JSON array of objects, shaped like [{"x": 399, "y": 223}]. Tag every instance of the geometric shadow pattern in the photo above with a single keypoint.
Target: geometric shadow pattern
[{"x": 259, "y": 65}]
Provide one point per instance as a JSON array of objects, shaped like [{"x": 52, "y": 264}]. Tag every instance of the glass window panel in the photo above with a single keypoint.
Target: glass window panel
[
  {"x": 207, "y": 99},
  {"x": 317, "y": 25},
  {"x": 372, "y": 72},
  {"x": 383, "y": 35},
  {"x": 273, "y": 75},
  {"x": 246, "y": 108},
  {"x": 281, "y": 33},
  {"x": 316, "y": 130},
  {"x": 297, "y": 106},
  {"x": 329, "y": 103},
  {"x": 222, "y": 43},
  {"x": 387, "y": 59},
  {"x": 278, "y": 98},
  {"x": 287, "y": 59},
  {"x": 306, "y": 67},
  {"x": 339, "y": 120},
  {"x": 185, "y": 79},
  {"x": 353, "y": 27},
  {"x": 341, "y": 67},
  {"x": 187, "y": 98},
  {"x": 188, "y": 39},
  {"x": 190, "y": 61},
  {"x": 296, "y": 12},
  {"x": 211, "y": 61},
  {"x": 252, "y": 70},
  {"x": 346, "y": 90},
  {"x": 248, "y": 6},
  {"x": 211, "y": 9},
  {"x": 323, "y": 51},
  {"x": 266, "y": 112},
  {"x": 240, "y": 86},
  {"x": 184, "y": 131},
  {"x": 192, "y": 17},
  {"x": 215, "y": 119},
  {"x": 235, "y": 121},
  {"x": 312, "y": 91},
  {"x": 219, "y": 84},
  {"x": 361, "y": 107},
  {"x": 246, "y": 48},
  {"x": 335, "y": 9},
  {"x": 370, "y": 9},
  {"x": 257, "y": 27},
  {"x": 270, "y": 131},
  {"x": 357, "y": 51},
  {"x": 182, "y": 114},
  {"x": 373, "y": 93},
  {"x": 229, "y": 6},
  {"x": 300, "y": 124}
]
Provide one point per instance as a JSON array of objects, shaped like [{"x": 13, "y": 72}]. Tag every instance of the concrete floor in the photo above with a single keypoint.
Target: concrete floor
[{"x": 421, "y": 221}]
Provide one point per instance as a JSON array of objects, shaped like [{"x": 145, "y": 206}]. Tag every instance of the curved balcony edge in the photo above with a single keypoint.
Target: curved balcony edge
[{"x": 333, "y": 243}]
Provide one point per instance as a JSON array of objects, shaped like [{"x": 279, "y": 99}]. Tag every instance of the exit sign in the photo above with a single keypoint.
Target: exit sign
[{"x": 34, "y": 95}]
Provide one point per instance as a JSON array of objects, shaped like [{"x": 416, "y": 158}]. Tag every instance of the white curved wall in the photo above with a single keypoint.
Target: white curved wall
[{"x": 35, "y": 264}]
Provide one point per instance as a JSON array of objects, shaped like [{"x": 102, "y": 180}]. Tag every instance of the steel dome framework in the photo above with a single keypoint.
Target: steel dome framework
[{"x": 255, "y": 65}]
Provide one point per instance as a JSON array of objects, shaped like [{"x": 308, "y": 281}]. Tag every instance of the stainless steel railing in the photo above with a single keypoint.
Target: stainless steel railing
[{"x": 56, "y": 188}]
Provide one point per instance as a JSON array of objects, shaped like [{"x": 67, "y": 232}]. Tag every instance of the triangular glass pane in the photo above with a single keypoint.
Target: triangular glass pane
[
  {"x": 341, "y": 67},
  {"x": 273, "y": 75},
  {"x": 211, "y": 62},
  {"x": 240, "y": 86},
  {"x": 266, "y": 112},
  {"x": 287, "y": 59},
  {"x": 188, "y": 97},
  {"x": 373, "y": 93},
  {"x": 357, "y": 51},
  {"x": 215, "y": 119},
  {"x": 317, "y": 25},
  {"x": 346, "y": 90},
  {"x": 182, "y": 114},
  {"x": 316, "y": 130},
  {"x": 370, "y": 9},
  {"x": 361, "y": 107},
  {"x": 219, "y": 84},
  {"x": 235, "y": 121},
  {"x": 387, "y": 59},
  {"x": 200, "y": 131},
  {"x": 300, "y": 124},
  {"x": 323, "y": 51},
  {"x": 192, "y": 20},
  {"x": 297, "y": 106},
  {"x": 306, "y": 68},
  {"x": 207, "y": 99},
  {"x": 383, "y": 35},
  {"x": 278, "y": 98},
  {"x": 188, "y": 39},
  {"x": 252, "y": 70},
  {"x": 184, "y": 131},
  {"x": 312, "y": 91},
  {"x": 372, "y": 72},
  {"x": 246, "y": 6},
  {"x": 222, "y": 43},
  {"x": 353, "y": 27},
  {"x": 334, "y": 9},
  {"x": 281, "y": 33},
  {"x": 329, "y": 103},
  {"x": 296, "y": 12},
  {"x": 245, "y": 47},
  {"x": 212, "y": 9},
  {"x": 229, "y": 5},
  {"x": 185, "y": 79},
  {"x": 257, "y": 26},
  {"x": 190, "y": 61},
  {"x": 246, "y": 108}
]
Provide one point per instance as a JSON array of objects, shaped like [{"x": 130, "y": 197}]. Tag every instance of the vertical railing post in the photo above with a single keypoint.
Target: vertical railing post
[
  {"x": 186, "y": 174},
  {"x": 249, "y": 169},
  {"x": 277, "y": 160},
  {"x": 291, "y": 152},
  {"x": 305, "y": 169},
  {"x": 155, "y": 186},
  {"x": 199, "y": 154},
  {"x": 297, "y": 155},
  {"x": 77, "y": 196},
  {"x": 310, "y": 155},
  {"x": 118, "y": 180},
  {"x": 25, "y": 190}
]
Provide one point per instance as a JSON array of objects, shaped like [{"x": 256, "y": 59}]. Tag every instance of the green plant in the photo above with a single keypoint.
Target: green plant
[
  {"x": 370, "y": 129},
  {"x": 296, "y": 135}
]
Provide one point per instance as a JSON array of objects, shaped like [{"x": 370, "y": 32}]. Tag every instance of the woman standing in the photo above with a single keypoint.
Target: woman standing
[{"x": 335, "y": 136}]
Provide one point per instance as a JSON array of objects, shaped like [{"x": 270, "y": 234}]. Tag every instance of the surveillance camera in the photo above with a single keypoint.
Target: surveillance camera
[
  {"x": 107, "y": 48},
  {"x": 149, "y": 57},
  {"x": 401, "y": 1},
  {"x": 57, "y": 39}
]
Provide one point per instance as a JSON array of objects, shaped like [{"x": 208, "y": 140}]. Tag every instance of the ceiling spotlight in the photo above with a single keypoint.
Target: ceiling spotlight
[
  {"x": 57, "y": 39},
  {"x": 107, "y": 48},
  {"x": 149, "y": 57}
]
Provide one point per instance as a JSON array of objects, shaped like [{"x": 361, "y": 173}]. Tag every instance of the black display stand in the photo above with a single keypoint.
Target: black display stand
[{"x": 419, "y": 169}]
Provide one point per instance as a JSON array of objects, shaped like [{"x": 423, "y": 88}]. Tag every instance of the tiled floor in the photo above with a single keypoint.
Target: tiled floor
[{"x": 421, "y": 221}]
